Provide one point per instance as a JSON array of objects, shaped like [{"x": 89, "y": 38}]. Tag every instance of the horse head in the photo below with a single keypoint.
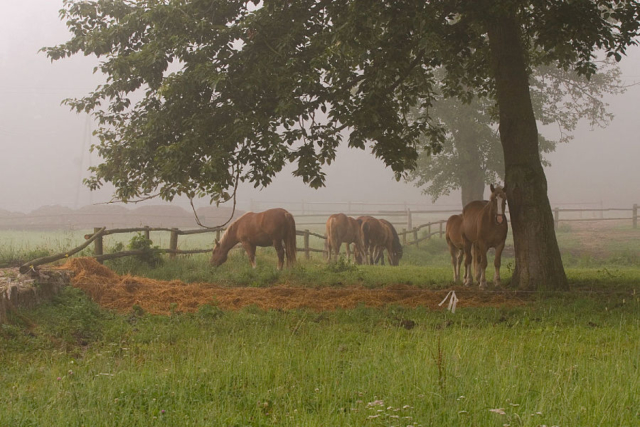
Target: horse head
[
  {"x": 218, "y": 256},
  {"x": 499, "y": 197}
]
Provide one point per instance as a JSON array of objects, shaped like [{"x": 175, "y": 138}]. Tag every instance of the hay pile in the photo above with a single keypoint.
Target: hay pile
[{"x": 121, "y": 293}]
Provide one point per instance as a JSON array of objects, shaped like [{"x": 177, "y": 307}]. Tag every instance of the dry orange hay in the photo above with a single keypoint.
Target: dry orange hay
[{"x": 121, "y": 293}]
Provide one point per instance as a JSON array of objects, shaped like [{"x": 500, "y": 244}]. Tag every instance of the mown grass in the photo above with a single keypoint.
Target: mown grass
[{"x": 566, "y": 360}]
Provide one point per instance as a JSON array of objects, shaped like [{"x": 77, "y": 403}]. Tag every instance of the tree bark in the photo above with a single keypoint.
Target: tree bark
[{"x": 538, "y": 260}]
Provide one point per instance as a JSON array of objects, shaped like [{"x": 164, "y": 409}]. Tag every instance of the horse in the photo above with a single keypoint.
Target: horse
[
  {"x": 455, "y": 241},
  {"x": 273, "y": 227},
  {"x": 484, "y": 226},
  {"x": 377, "y": 237},
  {"x": 343, "y": 229},
  {"x": 397, "y": 246}
]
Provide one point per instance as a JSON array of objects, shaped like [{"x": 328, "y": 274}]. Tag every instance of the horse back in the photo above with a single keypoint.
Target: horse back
[{"x": 261, "y": 229}]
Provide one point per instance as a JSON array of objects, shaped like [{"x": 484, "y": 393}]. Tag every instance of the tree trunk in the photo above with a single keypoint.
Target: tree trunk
[
  {"x": 538, "y": 260},
  {"x": 471, "y": 184},
  {"x": 471, "y": 173}
]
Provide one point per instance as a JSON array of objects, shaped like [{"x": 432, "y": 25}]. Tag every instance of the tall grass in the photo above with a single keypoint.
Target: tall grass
[{"x": 569, "y": 361}]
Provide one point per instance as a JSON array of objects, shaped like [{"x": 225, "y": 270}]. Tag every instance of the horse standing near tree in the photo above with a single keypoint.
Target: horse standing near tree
[
  {"x": 343, "y": 229},
  {"x": 484, "y": 226},
  {"x": 273, "y": 227}
]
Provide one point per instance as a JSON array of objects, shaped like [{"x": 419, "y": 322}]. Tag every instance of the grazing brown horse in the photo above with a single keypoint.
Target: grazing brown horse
[
  {"x": 274, "y": 227},
  {"x": 484, "y": 226},
  {"x": 397, "y": 246},
  {"x": 376, "y": 237},
  {"x": 455, "y": 240},
  {"x": 343, "y": 229}
]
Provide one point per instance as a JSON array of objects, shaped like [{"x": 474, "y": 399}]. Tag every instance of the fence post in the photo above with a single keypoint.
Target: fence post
[
  {"x": 409, "y": 222},
  {"x": 415, "y": 236},
  {"x": 306, "y": 244},
  {"x": 441, "y": 233},
  {"x": 635, "y": 215},
  {"x": 97, "y": 244},
  {"x": 147, "y": 234},
  {"x": 429, "y": 231},
  {"x": 173, "y": 243},
  {"x": 404, "y": 237},
  {"x": 556, "y": 215}
]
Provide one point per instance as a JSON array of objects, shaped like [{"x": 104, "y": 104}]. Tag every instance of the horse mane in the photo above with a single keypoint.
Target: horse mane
[{"x": 231, "y": 229}]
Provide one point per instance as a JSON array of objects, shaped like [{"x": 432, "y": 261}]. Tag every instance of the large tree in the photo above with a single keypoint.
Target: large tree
[
  {"x": 471, "y": 156},
  {"x": 250, "y": 89}
]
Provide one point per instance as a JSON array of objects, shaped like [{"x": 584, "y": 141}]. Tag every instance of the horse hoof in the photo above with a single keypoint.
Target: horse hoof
[{"x": 483, "y": 285}]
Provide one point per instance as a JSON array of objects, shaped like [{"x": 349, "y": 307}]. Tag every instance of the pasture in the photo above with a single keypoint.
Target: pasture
[{"x": 565, "y": 359}]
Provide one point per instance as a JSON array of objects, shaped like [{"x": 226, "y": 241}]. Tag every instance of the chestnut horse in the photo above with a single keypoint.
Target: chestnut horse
[
  {"x": 376, "y": 237},
  {"x": 273, "y": 227},
  {"x": 484, "y": 226},
  {"x": 455, "y": 240},
  {"x": 397, "y": 246},
  {"x": 343, "y": 229}
]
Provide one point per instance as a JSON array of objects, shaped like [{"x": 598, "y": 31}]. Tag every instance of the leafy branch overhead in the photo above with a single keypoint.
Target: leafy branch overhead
[{"x": 200, "y": 92}]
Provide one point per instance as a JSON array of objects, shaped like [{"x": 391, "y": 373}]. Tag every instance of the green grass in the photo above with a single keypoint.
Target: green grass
[{"x": 564, "y": 360}]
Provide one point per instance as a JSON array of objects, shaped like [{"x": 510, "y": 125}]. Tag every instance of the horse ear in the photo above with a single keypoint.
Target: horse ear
[{"x": 492, "y": 188}]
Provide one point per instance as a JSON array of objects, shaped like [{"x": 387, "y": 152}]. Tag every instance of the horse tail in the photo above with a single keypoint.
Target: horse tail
[
  {"x": 290, "y": 239},
  {"x": 328, "y": 243}
]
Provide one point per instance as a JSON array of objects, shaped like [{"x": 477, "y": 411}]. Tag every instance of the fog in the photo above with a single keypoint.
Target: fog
[{"x": 44, "y": 147}]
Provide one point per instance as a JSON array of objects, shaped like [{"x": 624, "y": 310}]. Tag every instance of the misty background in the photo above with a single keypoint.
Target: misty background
[{"x": 44, "y": 146}]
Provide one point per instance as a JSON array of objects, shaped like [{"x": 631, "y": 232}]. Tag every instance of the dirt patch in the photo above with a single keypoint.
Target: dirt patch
[{"x": 121, "y": 293}]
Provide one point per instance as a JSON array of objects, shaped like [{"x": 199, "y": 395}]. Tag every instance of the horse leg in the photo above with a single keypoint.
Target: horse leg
[
  {"x": 336, "y": 250},
  {"x": 454, "y": 261},
  {"x": 468, "y": 279},
  {"x": 327, "y": 250},
  {"x": 459, "y": 257},
  {"x": 280, "y": 251},
  {"x": 481, "y": 251},
  {"x": 348, "y": 251},
  {"x": 251, "y": 252},
  {"x": 475, "y": 252},
  {"x": 496, "y": 263}
]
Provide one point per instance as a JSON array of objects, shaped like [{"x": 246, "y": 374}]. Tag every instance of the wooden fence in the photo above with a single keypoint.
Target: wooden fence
[
  {"x": 600, "y": 212},
  {"x": 408, "y": 235}
]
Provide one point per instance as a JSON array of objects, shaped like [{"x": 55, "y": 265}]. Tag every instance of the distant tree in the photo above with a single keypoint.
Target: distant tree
[
  {"x": 471, "y": 157},
  {"x": 250, "y": 85}
]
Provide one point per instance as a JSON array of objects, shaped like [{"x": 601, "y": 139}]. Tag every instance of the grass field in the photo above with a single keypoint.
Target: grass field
[{"x": 565, "y": 359}]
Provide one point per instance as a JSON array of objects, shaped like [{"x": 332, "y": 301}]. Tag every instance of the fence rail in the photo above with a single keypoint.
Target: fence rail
[{"x": 408, "y": 235}]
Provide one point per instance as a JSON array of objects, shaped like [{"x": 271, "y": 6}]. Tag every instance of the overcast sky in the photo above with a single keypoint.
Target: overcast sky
[{"x": 44, "y": 147}]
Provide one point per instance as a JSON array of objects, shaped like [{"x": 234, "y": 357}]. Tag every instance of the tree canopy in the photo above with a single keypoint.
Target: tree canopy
[
  {"x": 471, "y": 157},
  {"x": 258, "y": 85}
]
